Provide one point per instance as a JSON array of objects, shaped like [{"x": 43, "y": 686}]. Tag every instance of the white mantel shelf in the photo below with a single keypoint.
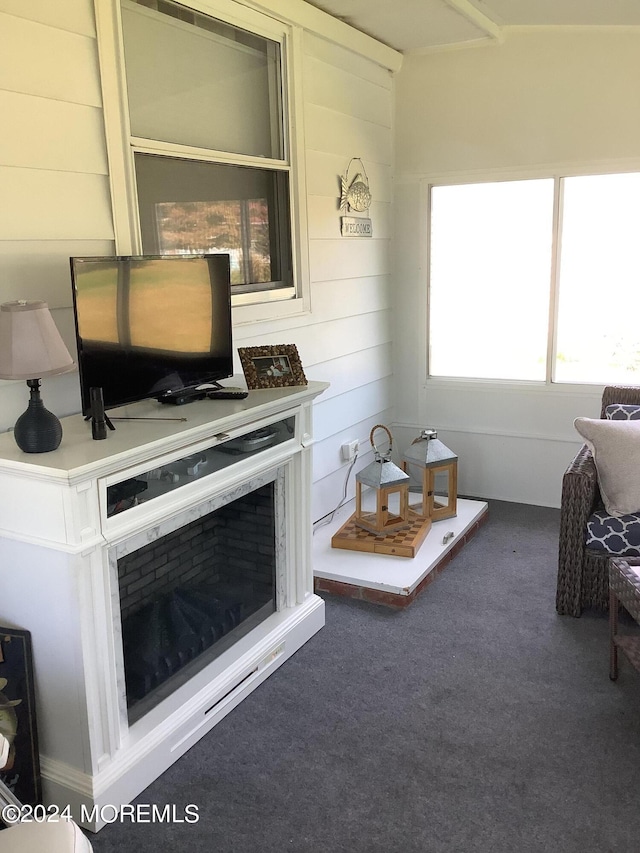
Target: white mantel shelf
[
  {"x": 58, "y": 550},
  {"x": 79, "y": 454}
]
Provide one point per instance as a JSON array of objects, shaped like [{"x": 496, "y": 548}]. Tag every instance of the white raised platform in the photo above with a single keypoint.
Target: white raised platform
[{"x": 383, "y": 578}]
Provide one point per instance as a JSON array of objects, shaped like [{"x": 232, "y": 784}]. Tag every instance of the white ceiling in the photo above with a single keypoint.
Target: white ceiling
[{"x": 417, "y": 25}]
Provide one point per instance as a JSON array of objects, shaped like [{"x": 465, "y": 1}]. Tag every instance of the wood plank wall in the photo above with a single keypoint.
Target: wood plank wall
[
  {"x": 53, "y": 169},
  {"x": 56, "y": 203},
  {"x": 347, "y": 338}
]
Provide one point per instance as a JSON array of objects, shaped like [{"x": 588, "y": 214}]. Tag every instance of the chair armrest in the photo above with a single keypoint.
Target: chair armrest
[
  {"x": 580, "y": 490},
  {"x": 580, "y": 495}
]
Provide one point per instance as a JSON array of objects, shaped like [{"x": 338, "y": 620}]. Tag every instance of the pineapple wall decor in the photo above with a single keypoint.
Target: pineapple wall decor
[{"x": 355, "y": 195}]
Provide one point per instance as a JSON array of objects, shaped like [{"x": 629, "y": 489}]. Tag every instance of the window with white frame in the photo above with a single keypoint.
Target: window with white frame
[
  {"x": 536, "y": 280},
  {"x": 208, "y": 156}
]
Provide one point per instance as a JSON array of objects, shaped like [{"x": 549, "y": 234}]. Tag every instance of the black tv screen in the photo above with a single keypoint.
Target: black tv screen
[{"x": 149, "y": 324}]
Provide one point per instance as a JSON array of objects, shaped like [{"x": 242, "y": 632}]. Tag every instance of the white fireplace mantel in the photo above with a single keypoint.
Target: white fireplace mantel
[{"x": 57, "y": 543}]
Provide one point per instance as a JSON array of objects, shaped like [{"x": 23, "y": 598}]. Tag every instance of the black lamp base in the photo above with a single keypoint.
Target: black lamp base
[{"x": 37, "y": 430}]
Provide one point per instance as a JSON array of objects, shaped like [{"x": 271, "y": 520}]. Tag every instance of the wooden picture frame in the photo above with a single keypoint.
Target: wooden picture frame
[
  {"x": 21, "y": 773},
  {"x": 276, "y": 366}
]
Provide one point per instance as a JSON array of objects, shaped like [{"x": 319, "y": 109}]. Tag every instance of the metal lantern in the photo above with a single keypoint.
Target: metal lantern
[
  {"x": 433, "y": 457},
  {"x": 387, "y": 480}
]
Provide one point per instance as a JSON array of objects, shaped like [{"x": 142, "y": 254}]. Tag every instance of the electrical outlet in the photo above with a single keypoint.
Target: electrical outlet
[{"x": 349, "y": 450}]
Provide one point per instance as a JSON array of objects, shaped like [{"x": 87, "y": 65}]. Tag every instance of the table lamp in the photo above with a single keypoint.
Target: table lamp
[{"x": 31, "y": 346}]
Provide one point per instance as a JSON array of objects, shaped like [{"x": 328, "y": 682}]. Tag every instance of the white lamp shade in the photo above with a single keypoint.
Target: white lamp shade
[{"x": 30, "y": 343}]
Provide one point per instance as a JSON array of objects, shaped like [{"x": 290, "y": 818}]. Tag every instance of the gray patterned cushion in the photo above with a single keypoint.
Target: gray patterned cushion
[
  {"x": 614, "y": 534},
  {"x": 618, "y": 535},
  {"x": 622, "y": 412}
]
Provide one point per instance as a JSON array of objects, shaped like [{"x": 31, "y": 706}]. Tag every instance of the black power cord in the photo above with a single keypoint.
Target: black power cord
[{"x": 325, "y": 519}]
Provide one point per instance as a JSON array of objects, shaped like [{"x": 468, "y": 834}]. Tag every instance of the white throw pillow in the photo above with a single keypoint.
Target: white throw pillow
[{"x": 616, "y": 451}]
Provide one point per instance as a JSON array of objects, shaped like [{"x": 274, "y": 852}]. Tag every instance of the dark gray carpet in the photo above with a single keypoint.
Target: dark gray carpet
[{"x": 475, "y": 720}]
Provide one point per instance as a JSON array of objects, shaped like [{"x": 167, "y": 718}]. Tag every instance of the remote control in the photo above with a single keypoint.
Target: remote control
[{"x": 230, "y": 393}]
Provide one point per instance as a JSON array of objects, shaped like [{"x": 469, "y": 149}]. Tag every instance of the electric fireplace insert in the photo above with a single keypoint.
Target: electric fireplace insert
[{"x": 188, "y": 595}]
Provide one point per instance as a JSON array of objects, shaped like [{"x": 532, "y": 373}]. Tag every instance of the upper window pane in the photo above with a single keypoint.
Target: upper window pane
[
  {"x": 599, "y": 295},
  {"x": 193, "y": 80},
  {"x": 489, "y": 280}
]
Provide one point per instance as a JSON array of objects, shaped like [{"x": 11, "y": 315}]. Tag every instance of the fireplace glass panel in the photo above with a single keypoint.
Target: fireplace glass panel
[
  {"x": 165, "y": 478},
  {"x": 188, "y": 596}
]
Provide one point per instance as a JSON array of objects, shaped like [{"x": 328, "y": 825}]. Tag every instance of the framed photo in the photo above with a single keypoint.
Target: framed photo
[
  {"x": 21, "y": 773},
  {"x": 271, "y": 367}
]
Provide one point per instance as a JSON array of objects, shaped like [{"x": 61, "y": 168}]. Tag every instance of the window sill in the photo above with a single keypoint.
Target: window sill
[
  {"x": 522, "y": 385},
  {"x": 269, "y": 309}
]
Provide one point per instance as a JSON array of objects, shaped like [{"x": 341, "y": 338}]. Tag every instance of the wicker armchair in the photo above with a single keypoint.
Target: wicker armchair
[{"x": 583, "y": 579}]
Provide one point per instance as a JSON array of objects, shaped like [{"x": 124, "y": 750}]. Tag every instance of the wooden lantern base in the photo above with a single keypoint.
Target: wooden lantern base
[
  {"x": 402, "y": 543},
  {"x": 369, "y": 522},
  {"x": 437, "y": 511}
]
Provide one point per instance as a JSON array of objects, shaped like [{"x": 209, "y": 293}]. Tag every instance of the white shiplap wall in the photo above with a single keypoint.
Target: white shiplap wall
[
  {"x": 346, "y": 340},
  {"x": 53, "y": 169},
  {"x": 546, "y": 101},
  {"x": 54, "y": 187}
]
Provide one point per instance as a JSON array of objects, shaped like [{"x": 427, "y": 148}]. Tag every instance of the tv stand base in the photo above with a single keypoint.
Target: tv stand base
[
  {"x": 212, "y": 390},
  {"x": 181, "y": 396}
]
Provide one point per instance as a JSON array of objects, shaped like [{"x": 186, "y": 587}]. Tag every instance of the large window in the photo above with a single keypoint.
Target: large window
[
  {"x": 208, "y": 157},
  {"x": 536, "y": 280}
]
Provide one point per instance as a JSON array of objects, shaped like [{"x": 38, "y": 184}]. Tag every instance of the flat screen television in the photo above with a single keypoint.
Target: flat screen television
[{"x": 151, "y": 324}]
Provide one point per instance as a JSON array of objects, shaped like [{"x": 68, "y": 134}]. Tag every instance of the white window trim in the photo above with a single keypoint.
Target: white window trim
[
  {"x": 247, "y": 308},
  {"x": 554, "y": 171}
]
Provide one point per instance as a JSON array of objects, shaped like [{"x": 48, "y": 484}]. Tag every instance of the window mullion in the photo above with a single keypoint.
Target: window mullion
[
  {"x": 552, "y": 340},
  {"x": 141, "y": 145}
]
